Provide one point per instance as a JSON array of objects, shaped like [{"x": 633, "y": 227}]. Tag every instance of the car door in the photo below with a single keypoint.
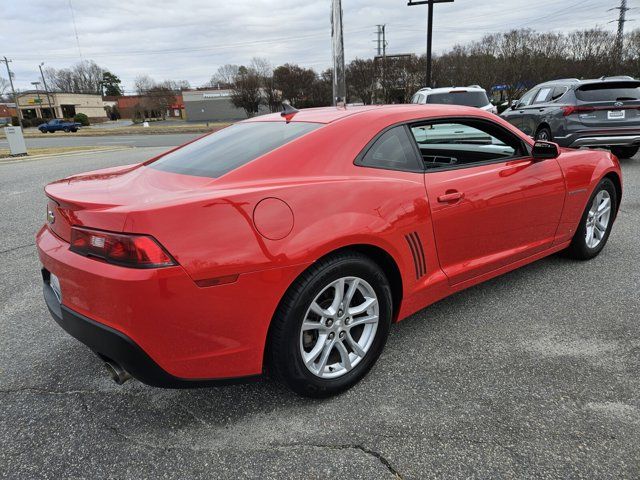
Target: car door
[
  {"x": 515, "y": 116},
  {"x": 491, "y": 203},
  {"x": 535, "y": 112}
]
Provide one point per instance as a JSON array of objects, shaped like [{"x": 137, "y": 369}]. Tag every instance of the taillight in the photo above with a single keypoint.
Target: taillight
[
  {"x": 572, "y": 109},
  {"x": 137, "y": 251}
]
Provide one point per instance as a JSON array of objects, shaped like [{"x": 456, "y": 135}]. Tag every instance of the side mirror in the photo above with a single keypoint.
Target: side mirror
[
  {"x": 545, "y": 150},
  {"x": 514, "y": 104}
]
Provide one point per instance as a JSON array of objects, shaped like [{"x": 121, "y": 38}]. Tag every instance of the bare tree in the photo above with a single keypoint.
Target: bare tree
[
  {"x": 5, "y": 86},
  {"x": 83, "y": 77},
  {"x": 360, "y": 74},
  {"x": 224, "y": 76}
]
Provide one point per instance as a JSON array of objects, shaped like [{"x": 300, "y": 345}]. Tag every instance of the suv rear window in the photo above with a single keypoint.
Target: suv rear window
[
  {"x": 609, "y": 92},
  {"x": 468, "y": 99},
  {"x": 231, "y": 147}
]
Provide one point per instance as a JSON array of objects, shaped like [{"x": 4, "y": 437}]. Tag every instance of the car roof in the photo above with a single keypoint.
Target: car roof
[
  {"x": 470, "y": 88},
  {"x": 584, "y": 81},
  {"x": 332, "y": 114}
]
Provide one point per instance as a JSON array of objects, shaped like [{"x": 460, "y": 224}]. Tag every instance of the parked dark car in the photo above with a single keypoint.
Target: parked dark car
[
  {"x": 57, "y": 124},
  {"x": 604, "y": 112}
]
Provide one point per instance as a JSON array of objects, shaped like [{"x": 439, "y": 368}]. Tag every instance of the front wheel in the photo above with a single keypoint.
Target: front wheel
[
  {"x": 66, "y": 129},
  {"x": 331, "y": 326},
  {"x": 544, "y": 134},
  {"x": 625, "y": 152},
  {"x": 596, "y": 222}
]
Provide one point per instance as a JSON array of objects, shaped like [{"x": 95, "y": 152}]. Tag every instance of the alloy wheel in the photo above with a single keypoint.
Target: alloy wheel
[
  {"x": 339, "y": 327},
  {"x": 598, "y": 219}
]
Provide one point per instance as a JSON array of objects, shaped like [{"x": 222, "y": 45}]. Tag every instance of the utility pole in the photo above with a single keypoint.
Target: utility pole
[
  {"x": 619, "y": 44},
  {"x": 339, "y": 83},
  {"x": 46, "y": 90},
  {"x": 13, "y": 90},
  {"x": 429, "y": 31}
]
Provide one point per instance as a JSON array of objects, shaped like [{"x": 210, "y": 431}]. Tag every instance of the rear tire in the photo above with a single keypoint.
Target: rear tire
[
  {"x": 338, "y": 344},
  {"x": 544, "y": 134},
  {"x": 596, "y": 222},
  {"x": 625, "y": 152}
]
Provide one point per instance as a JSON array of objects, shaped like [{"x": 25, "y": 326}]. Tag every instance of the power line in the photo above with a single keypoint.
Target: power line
[{"x": 75, "y": 29}]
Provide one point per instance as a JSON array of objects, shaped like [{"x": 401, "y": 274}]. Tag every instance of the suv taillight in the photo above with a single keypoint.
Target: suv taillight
[
  {"x": 136, "y": 251},
  {"x": 570, "y": 110}
]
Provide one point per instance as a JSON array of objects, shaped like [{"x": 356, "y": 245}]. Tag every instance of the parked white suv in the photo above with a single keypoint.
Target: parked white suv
[{"x": 472, "y": 96}]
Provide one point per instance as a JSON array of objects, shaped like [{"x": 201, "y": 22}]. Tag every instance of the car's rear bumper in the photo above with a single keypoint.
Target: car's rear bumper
[
  {"x": 120, "y": 349},
  {"x": 157, "y": 323},
  {"x": 599, "y": 139}
]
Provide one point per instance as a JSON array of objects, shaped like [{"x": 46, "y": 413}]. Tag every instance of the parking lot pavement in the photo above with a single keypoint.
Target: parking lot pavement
[
  {"x": 143, "y": 140},
  {"x": 531, "y": 375}
]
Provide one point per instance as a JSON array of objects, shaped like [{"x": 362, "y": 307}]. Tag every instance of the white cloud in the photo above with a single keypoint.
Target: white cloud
[{"x": 189, "y": 39}]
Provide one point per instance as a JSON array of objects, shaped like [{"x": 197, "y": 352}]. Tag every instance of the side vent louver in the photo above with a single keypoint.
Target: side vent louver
[{"x": 415, "y": 245}]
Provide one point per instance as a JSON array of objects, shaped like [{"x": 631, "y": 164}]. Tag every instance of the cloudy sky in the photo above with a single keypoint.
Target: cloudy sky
[{"x": 189, "y": 39}]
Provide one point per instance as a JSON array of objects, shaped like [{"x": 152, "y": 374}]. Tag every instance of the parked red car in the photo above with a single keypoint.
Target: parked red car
[{"x": 291, "y": 243}]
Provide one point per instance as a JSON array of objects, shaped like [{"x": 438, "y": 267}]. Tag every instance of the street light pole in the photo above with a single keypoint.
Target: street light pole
[
  {"x": 46, "y": 90},
  {"x": 430, "y": 4},
  {"x": 13, "y": 90}
]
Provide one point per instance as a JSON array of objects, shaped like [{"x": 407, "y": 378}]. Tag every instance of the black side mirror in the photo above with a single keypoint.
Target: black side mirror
[
  {"x": 545, "y": 150},
  {"x": 514, "y": 104}
]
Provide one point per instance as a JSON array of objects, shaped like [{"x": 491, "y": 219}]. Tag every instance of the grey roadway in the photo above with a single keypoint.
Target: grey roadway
[
  {"x": 71, "y": 140},
  {"x": 531, "y": 375}
]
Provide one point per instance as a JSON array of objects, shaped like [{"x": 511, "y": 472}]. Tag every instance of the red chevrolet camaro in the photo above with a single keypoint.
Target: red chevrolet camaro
[{"x": 291, "y": 242}]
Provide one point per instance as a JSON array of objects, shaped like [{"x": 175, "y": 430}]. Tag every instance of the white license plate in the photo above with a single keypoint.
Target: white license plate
[
  {"x": 615, "y": 115},
  {"x": 55, "y": 286}
]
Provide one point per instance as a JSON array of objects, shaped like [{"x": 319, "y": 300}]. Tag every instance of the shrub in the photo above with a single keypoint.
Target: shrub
[{"x": 82, "y": 119}]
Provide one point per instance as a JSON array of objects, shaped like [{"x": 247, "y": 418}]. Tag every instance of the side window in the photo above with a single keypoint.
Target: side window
[
  {"x": 543, "y": 95},
  {"x": 393, "y": 150},
  {"x": 460, "y": 144},
  {"x": 527, "y": 98},
  {"x": 558, "y": 92}
]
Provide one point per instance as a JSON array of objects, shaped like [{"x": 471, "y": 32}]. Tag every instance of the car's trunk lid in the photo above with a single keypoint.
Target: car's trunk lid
[
  {"x": 609, "y": 105},
  {"x": 102, "y": 199}
]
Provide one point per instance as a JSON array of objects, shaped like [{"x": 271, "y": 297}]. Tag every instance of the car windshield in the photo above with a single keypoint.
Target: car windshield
[
  {"x": 609, "y": 92},
  {"x": 462, "y": 97},
  {"x": 231, "y": 147}
]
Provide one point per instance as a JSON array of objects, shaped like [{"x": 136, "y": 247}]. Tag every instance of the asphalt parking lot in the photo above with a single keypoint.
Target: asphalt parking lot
[{"x": 534, "y": 374}]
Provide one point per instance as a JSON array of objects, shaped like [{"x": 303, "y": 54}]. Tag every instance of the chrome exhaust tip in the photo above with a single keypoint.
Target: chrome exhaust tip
[{"x": 117, "y": 373}]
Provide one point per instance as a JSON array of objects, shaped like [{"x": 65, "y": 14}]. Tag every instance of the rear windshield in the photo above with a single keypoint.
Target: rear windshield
[
  {"x": 609, "y": 92},
  {"x": 468, "y": 99},
  {"x": 231, "y": 147}
]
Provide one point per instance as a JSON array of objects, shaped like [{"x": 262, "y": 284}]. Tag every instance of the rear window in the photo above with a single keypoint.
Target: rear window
[
  {"x": 609, "y": 92},
  {"x": 231, "y": 147},
  {"x": 468, "y": 99}
]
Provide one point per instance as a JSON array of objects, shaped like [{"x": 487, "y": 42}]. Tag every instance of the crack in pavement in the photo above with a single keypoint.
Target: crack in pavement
[
  {"x": 377, "y": 455},
  {"x": 16, "y": 248},
  {"x": 45, "y": 391}
]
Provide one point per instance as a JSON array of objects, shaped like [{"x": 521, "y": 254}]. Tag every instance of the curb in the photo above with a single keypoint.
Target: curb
[{"x": 12, "y": 160}]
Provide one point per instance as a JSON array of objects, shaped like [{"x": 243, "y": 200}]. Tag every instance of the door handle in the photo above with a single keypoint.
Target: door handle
[{"x": 451, "y": 196}]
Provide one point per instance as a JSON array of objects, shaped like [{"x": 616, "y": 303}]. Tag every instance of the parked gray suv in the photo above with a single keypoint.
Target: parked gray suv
[{"x": 582, "y": 113}]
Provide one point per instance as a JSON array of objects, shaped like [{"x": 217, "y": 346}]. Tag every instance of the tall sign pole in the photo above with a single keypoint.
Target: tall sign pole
[
  {"x": 429, "y": 3},
  {"x": 337, "y": 44},
  {"x": 13, "y": 90}
]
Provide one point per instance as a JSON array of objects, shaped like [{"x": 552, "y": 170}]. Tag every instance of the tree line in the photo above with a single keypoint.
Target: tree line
[{"x": 515, "y": 60}]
